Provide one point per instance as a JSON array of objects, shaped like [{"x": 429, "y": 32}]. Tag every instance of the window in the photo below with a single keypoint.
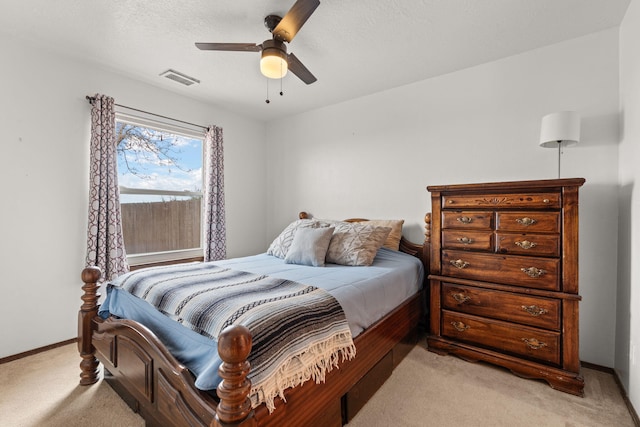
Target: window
[{"x": 161, "y": 182}]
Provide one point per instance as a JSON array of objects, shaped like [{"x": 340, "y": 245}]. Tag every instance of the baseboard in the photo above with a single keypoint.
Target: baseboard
[
  {"x": 623, "y": 392},
  {"x": 36, "y": 351}
]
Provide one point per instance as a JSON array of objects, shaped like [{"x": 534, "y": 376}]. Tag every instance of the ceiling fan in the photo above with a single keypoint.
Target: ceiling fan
[{"x": 275, "y": 60}]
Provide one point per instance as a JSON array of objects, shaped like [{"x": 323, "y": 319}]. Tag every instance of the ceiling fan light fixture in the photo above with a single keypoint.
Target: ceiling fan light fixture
[{"x": 273, "y": 63}]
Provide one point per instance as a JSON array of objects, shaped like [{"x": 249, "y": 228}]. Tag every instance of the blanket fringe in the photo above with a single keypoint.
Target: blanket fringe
[{"x": 314, "y": 363}]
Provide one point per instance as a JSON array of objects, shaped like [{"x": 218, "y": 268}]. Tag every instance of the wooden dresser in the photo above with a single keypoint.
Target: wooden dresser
[{"x": 504, "y": 277}]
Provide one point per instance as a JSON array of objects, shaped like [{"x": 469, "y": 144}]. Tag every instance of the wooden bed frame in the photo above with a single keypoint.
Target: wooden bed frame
[{"x": 154, "y": 384}]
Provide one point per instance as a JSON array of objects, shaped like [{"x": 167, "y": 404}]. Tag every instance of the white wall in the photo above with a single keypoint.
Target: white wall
[
  {"x": 45, "y": 122},
  {"x": 627, "y": 360},
  {"x": 375, "y": 155}
]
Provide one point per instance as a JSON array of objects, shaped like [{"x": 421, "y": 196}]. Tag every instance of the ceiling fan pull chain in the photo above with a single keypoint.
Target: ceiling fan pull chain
[
  {"x": 281, "y": 78},
  {"x": 267, "y": 100},
  {"x": 281, "y": 92}
]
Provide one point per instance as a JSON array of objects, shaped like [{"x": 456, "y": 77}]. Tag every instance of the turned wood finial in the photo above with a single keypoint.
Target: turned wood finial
[
  {"x": 90, "y": 277},
  {"x": 427, "y": 227},
  {"x": 89, "y": 372},
  {"x": 303, "y": 215},
  {"x": 91, "y": 274},
  {"x": 426, "y": 251},
  {"x": 234, "y": 345}
]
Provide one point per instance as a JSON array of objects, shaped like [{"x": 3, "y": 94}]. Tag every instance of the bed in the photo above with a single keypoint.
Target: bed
[{"x": 162, "y": 385}]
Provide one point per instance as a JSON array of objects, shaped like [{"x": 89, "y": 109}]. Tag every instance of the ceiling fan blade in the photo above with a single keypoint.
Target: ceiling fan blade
[
  {"x": 297, "y": 68},
  {"x": 295, "y": 18},
  {"x": 240, "y": 47}
]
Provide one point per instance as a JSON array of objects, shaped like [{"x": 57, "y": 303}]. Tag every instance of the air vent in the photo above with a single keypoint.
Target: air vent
[{"x": 179, "y": 77}]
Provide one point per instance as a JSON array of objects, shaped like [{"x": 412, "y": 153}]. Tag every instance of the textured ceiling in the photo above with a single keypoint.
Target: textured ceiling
[{"x": 354, "y": 48}]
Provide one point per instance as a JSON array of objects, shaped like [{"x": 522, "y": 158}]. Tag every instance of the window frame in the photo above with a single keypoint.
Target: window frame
[{"x": 179, "y": 129}]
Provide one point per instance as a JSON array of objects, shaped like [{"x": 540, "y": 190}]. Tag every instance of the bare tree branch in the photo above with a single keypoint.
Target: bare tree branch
[{"x": 137, "y": 145}]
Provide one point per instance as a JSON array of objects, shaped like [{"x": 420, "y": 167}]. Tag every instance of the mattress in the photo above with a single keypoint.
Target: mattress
[{"x": 366, "y": 294}]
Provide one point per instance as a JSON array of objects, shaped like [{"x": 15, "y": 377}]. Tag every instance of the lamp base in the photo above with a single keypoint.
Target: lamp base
[{"x": 559, "y": 155}]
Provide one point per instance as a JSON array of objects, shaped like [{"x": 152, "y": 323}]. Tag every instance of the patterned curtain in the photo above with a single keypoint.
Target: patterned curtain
[
  {"x": 105, "y": 244},
  {"x": 215, "y": 231}
]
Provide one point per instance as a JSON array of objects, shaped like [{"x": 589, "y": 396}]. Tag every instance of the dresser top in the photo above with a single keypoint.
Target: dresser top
[{"x": 543, "y": 184}]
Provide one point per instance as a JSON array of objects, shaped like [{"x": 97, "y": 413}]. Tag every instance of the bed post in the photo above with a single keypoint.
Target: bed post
[
  {"x": 426, "y": 248},
  {"x": 234, "y": 409},
  {"x": 89, "y": 365}
]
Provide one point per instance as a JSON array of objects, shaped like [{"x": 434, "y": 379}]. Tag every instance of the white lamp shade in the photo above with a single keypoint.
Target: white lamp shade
[{"x": 562, "y": 128}]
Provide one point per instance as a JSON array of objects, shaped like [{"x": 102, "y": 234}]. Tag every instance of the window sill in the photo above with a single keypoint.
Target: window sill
[
  {"x": 169, "y": 262},
  {"x": 164, "y": 258}
]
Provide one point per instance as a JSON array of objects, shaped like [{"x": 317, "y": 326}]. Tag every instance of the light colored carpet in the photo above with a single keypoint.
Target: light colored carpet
[
  {"x": 424, "y": 390},
  {"x": 43, "y": 390},
  {"x": 431, "y": 390}
]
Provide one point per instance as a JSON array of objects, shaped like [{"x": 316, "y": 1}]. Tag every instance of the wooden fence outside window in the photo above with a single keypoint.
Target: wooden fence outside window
[{"x": 161, "y": 226}]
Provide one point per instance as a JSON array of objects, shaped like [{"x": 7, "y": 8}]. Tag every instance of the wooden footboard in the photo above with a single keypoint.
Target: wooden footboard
[
  {"x": 140, "y": 369},
  {"x": 156, "y": 385}
]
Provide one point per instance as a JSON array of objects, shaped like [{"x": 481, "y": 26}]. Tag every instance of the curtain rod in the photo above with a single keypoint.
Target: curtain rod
[{"x": 92, "y": 98}]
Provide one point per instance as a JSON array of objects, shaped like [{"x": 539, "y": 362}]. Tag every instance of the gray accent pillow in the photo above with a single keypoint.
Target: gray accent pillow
[
  {"x": 355, "y": 243},
  {"x": 280, "y": 245},
  {"x": 309, "y": 246}
]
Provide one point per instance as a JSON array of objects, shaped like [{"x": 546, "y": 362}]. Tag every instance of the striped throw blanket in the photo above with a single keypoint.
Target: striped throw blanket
[{"x": 299, "y": 332}]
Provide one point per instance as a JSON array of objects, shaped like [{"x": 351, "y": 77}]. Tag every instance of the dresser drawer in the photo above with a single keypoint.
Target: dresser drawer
[
  {"x": 507, "y": 337},
  {"x": 523, "y": 309},
  {"x": 529, "y": 222},
  {"x": 467, "y": 219},
  {"x": 467, "y": 239},
  {"x": 501, "y": 200},
  {"x": 533, "y": 272},
  {"x": 528, "y": 244}
]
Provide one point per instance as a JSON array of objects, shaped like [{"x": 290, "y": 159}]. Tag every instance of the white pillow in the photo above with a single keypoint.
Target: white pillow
[
  {"x": 355, "y": 243},
  {"x": 309, "y": 246}
]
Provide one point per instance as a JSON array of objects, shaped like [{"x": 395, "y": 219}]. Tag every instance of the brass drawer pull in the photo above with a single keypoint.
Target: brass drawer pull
[
  {"x": 465, "y": 219},
  {"x": 465, "y": 240},
  {"x": 534, "y": 310},
  {"x": 460, "y": 297},
  {"x": 458, "y": 263},
  {"x": 526, "y": 221},
  {"x": 533, "y": 272},
  {"x": 525, "y": 244},
  {"x": 460, "y": 327},
  {"x": 533, "y": 343}
]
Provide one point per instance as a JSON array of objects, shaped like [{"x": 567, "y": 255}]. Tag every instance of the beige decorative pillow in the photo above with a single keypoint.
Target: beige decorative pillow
[
  {"x": 309, "y": 246},
  {"x": 280, "y": 245},
  {"x": 393, "y": 241},
  {"x": 355, "y": 243}
]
